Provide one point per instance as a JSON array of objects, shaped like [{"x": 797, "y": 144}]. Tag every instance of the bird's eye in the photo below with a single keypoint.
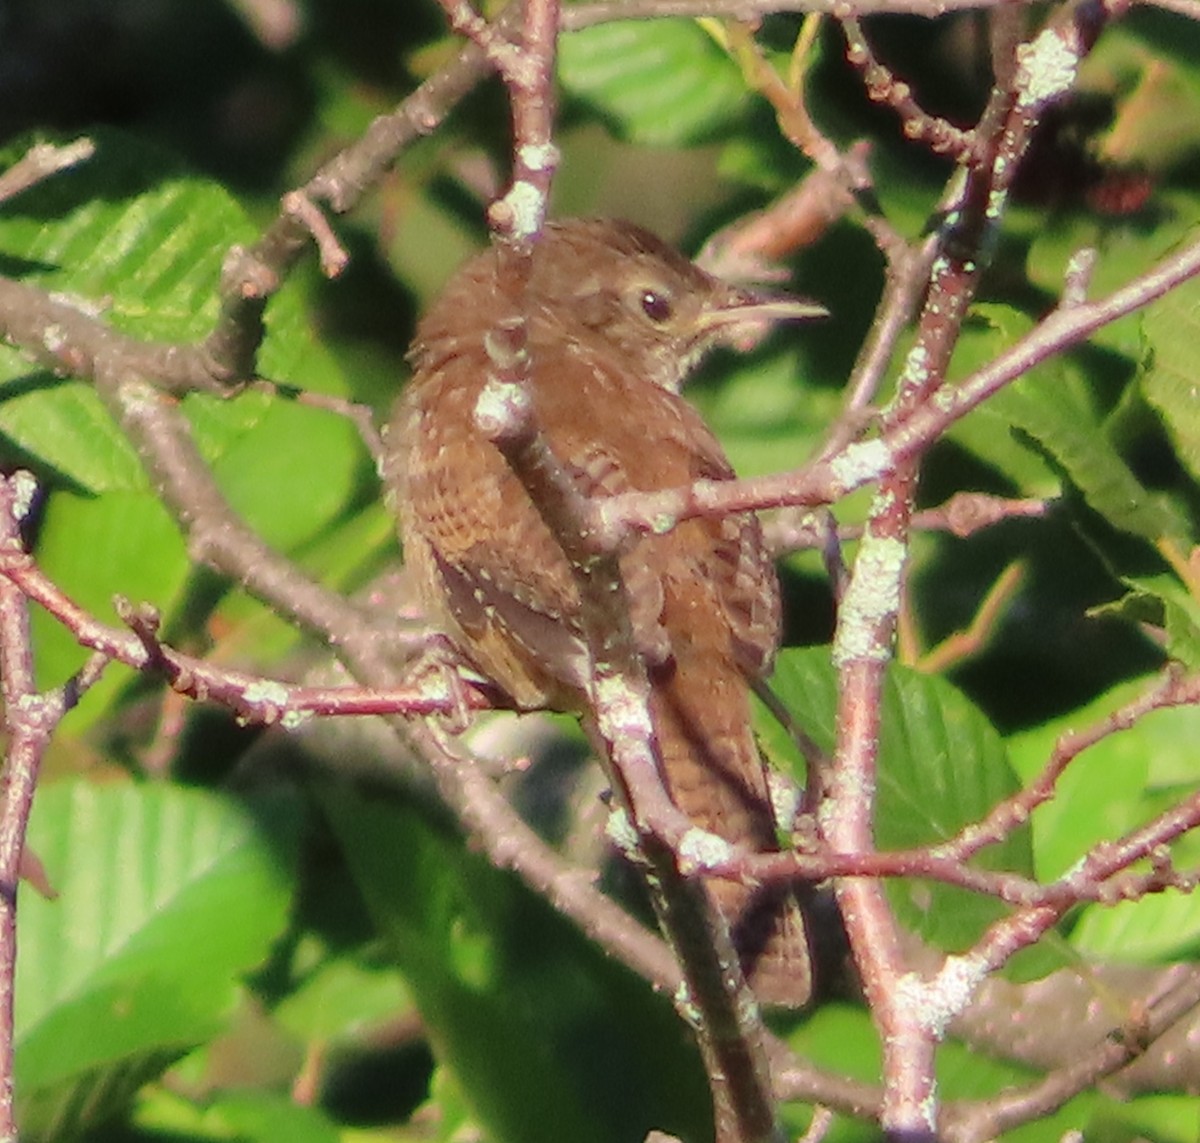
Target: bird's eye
[{"x": 656, "y": 305}]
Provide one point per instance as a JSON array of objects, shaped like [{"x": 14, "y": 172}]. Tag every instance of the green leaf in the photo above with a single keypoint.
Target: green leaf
[
  {"x": 1165, "y": 926},
  {"x": 660, "y": 82},
  {"x": 1169, "y": 376},
  {"x": 165, "y": 898},
  {"x": 240, "y": 1115},
  {"x": 251, "y": 1116},
  {"x": 61, "y": 427},
  {"x": 941, "y": 766},
  {"x": 1062, "y": 419},
  {"x": 341, "y": 999},
  {"x": 1055, "y": 407},
  {"x": 518, "y": 1004},
  {"x": 294, "y": 474},
  {"x": 129, "y": 234},
  {"x": 129, "y": 230},
  {"x": 1165, "y": 739},
  {"x": 1161, "y": 600}
]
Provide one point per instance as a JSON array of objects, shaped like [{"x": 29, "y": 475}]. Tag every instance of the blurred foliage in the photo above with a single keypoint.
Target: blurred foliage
[{"x": 240, "y": 955}]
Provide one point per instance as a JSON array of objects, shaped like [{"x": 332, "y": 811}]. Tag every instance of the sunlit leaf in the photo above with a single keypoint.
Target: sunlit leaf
[
  {"x": 660, "y": 82},
  {"x": 1163, "y": 602},
  {"x": 166, "y": 897},
  {"x": 1169, "y": 377}
]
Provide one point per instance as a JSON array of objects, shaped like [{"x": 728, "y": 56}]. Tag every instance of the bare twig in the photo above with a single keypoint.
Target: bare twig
[
  {"x": 1043, "y": 1024},
  {"x": 40, "y": 162},
  {"x": 251, "y": 697},
  {"x": 848, "y": 171},
  {"x": 964, "y": 514},
  {"x": 749, "y": 250},
  {"x": 990, "y": 1118},
  {"x": 251, "y": 275},
  {"x": 1172, "y": 690},
  {"x": 299, "y": 206},
  {"x": 29, "y": 720},
  {"x": 584, "y": 15},
  {"x": 67, "y": 340},
  {"x": 882, "y": 86}
]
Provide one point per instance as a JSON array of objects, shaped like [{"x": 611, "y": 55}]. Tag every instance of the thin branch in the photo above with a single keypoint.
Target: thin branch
[
  {"x": 1172, "y": 690},
  {"x": 749, "y": 249},
  {"x": 333, "y": 256},
  {"x": 584, "y": 15},
  {"x": 40, "y": 162},
  {"x": 882, "y": 86},
  {"x": 964, "y": 514},
  {"x": 251, "y": 697},
  {"x": 267, "y": 701},
  {"x": 848, "y": 171},
  {"x": 1101, "y": 864},
  {"x": 164, "y": 442},
  {"x": 511, "y": 844},
  {"x": 29, "y": 721},
  {"x": 990, "y": 1118},
  {"x": 252, "y": 274},
  {"x": 1044, "y": 1024},
  {"x": 70, "y": 341},
  {"x": 26, "y": 743}
]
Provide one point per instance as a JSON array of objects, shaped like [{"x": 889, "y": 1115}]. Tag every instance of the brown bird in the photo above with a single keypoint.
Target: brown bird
[{"x": 615, "y": 321}]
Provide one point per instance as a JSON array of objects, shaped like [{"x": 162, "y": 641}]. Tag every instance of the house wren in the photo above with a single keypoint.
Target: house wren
[{"x": 615, "y": 321}]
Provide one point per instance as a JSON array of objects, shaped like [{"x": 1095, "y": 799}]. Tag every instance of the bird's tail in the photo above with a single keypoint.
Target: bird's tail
[{"x": 714, "y": 773}]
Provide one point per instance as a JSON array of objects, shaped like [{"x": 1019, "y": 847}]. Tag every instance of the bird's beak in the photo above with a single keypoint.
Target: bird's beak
[{"x": 744, "y": 317}]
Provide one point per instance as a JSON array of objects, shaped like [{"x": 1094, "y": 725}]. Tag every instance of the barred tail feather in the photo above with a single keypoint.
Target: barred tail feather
[{"x": 714, "y": 773}]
